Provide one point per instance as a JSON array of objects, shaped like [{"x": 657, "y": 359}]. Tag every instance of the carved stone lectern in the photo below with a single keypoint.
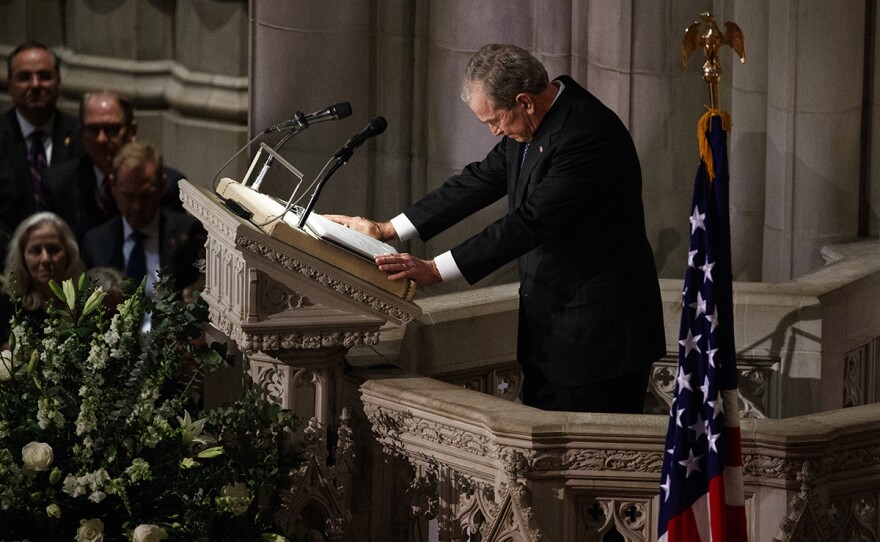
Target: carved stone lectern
[{"x": 293, "y": 303}]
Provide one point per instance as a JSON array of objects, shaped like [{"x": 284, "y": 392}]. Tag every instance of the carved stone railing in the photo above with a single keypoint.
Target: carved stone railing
[{"x": 484, "y": 465}]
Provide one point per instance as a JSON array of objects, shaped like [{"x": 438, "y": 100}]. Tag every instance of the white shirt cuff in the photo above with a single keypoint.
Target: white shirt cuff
[
  {"x": 447, "y": 267},
  {"x": 404, "y": 228}
]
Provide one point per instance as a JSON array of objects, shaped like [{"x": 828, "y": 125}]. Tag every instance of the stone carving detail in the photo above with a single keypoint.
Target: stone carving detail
[
  {"x": 311, "y": 273},
  {"x": 617, "y": 460},
  {"x": 843, "y": 460},
  {"x": 503, "y": 381},
  {"x": 514, "y": 521},
  {"x": 806, "y": 521},
  {"x": 319, "y": 487},
  {"x": 474, "y": 507},
  {"x": 854, "y": 377},
  {"x": 275, "y": 297},
  {"x": 271, "y": 379},
  {"x": 269, "y": 341},
  {"x": 755, "y": 376},
  {"x": 771, "y": 467},
  {"x": 851, "y": 516},
  {"x": 508, "y": 384},
  {"x": 221, "y": 321},
  {"x": 205, "y": 216},
  {"x": 472, "y": 500},
  {"x": 389, "y": 425},
  {"x": 629, "y": 518}
]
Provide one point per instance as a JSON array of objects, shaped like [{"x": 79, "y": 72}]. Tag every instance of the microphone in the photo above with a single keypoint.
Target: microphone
[
  {"x": 300, "y": 121},
  {"x": 373, "y": 128}
]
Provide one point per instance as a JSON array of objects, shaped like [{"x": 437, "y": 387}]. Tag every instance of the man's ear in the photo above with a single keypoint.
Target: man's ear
[
  {"x": 525, "y": 101},
  {"x": 133, "y": 128}
]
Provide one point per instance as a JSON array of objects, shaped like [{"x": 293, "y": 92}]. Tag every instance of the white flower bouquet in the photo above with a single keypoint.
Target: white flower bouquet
[{"x": 97, "y": 438}]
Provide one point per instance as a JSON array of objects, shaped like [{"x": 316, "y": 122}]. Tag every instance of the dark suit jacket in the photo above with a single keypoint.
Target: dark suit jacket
[
  {"x": 16, "y": 187},
  {"x": 590, "y": 307},
  {"x": 70, "y": 190},
  {"x": 102, "y": 246}
]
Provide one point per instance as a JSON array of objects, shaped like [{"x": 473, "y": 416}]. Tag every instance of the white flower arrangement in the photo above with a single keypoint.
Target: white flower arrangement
[{"x": 109, "y": 446}]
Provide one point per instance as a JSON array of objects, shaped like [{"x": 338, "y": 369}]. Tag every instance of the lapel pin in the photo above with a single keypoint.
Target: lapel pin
[
  {"x": 67, "y": 141},
  {"x": 541, "y": 148}
]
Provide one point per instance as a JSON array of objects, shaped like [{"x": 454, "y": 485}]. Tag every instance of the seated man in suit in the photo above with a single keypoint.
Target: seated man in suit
[
  {"x": 33, "y": 134},
  {"x": 144, "y": 236},
  {"x": 77, "y": 190}
]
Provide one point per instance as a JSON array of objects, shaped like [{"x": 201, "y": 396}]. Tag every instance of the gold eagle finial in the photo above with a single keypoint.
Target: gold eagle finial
[{"x": 711, "y": 40}]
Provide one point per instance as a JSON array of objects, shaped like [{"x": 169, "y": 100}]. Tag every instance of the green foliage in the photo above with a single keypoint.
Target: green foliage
[{"x": 97, "y": 429}]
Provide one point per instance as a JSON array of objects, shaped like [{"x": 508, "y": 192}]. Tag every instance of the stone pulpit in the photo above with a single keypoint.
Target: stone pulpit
[{"x": 294, "y": 303}]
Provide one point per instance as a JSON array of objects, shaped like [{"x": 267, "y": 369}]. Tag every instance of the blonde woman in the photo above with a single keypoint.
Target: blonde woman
[{"x": 42, "y": 248}]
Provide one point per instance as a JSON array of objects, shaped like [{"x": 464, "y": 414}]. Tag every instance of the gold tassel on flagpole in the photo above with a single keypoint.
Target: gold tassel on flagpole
[{"x": 703, "y": 126}]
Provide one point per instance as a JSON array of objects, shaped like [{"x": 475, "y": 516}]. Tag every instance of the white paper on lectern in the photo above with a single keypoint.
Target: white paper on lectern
[{"x": 324, "y": 228}]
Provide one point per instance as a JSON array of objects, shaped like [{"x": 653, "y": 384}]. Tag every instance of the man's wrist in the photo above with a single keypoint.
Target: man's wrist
[{"x": 386, "y": 231}]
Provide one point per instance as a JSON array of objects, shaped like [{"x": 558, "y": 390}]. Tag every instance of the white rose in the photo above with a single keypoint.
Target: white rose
[
  {"x": 37, "y": 456},
  {"x": 149, "y": 533},
  {"x": 90, "y": 531},
  {"x": 238, "y": 490},
  {"x": 7, "y": 365}
]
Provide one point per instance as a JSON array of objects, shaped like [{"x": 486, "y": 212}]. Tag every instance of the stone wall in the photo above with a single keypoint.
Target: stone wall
[{"x": 184, "y": 66}]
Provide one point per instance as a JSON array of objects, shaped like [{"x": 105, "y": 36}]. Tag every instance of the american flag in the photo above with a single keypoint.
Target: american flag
[{"x": 701, "y": 487}]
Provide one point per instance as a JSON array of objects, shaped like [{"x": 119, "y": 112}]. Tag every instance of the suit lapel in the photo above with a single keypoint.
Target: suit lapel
[
  {"x": 16, "y": 150},
  {"x": 550, "y": 125},
  {"x": 62, "y": 139}
]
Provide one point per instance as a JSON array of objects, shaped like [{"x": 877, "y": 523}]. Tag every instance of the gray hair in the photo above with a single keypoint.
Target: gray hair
[
  {"x": 21, "y": 283},
  {"x": 505, "y": 71}
]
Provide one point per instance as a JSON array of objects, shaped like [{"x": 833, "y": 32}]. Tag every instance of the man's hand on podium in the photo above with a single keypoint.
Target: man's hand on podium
[
  {"x": 407, "y": 266},
  {"x": 382, "y": 231}
]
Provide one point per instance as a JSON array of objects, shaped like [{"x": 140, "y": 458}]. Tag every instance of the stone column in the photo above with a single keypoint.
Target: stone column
[
  {"x": 306, "y": 56},
  {"x": 748, "y": 138},
  {"x": 204, "y": 121},
  {"x": 873, "y": 181},
  {"x": 814, "y": 120},
  {"x": 633, "y": 65}
]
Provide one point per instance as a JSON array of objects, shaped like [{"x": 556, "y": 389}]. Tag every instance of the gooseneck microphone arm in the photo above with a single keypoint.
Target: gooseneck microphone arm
[
  {"x": 300, "y": 125},
  {"x": 299, "y": 122},
  {"x": 372, "y": 129},
  {"x": 314, "y": 199}
]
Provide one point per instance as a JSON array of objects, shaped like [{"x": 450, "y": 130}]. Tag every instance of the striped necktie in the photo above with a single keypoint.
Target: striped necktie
[{"x": 37, "y": 160}]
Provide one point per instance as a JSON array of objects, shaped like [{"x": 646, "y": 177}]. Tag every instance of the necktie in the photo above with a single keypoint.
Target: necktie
[
  {"x": 37, "y": 159},
  {"x": 105, "y": 199},
  {"x": 525, "y": 151},
  {"x": 137, "y": 259}
]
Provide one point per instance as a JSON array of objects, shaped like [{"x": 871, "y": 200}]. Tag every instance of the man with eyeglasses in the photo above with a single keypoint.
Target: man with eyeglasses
[
  {"x": 33, "y": 134},
  {"x": 78, "y": 190}
]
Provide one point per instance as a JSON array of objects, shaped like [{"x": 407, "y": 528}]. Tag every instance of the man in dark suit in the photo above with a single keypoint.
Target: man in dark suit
[
  {"x": 33, "y": 134},
  {"x": 77, "y": 189},
  {"x": 590, "y": 317},
  {"x": 144, "y": 236}
]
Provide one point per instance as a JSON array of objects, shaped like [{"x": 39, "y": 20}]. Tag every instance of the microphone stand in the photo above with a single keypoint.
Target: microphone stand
[
  {"x": 340, "y": 161},
  {"x": 298, "y": 126}
]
